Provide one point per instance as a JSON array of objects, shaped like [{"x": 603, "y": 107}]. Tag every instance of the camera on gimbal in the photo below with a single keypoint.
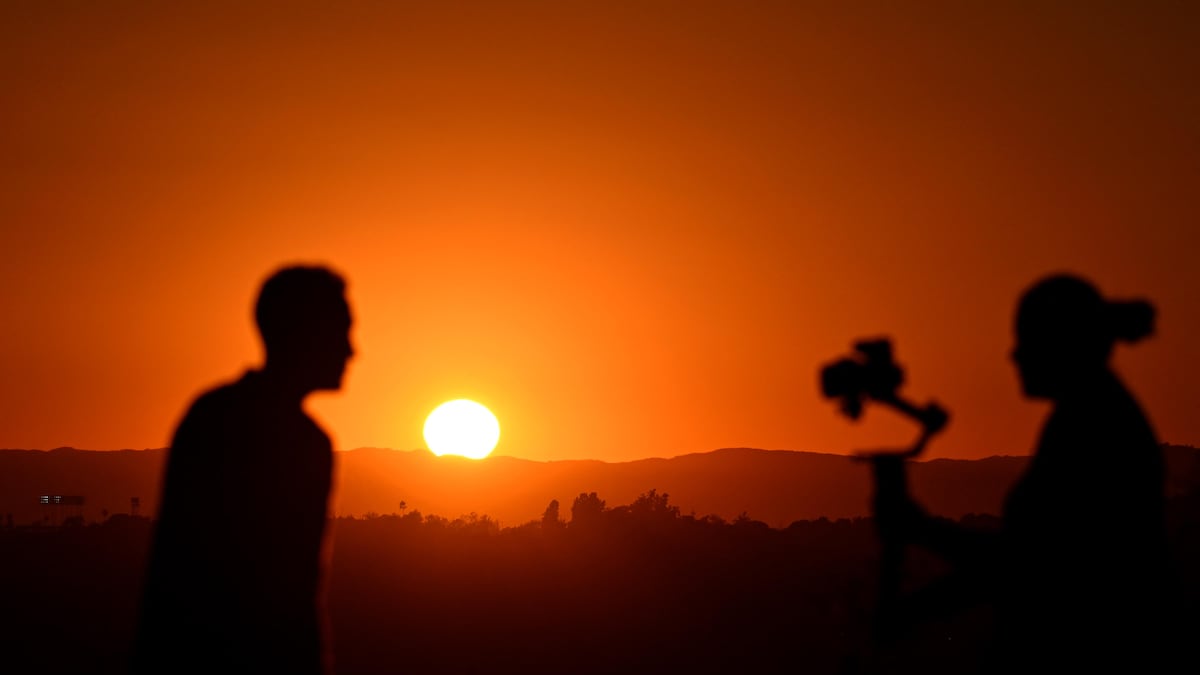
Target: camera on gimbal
[{"x": 869, "y": 374}]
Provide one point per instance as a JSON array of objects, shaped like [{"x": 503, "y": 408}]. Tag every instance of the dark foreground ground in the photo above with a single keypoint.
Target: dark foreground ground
[{"x": 636, "y": 589}]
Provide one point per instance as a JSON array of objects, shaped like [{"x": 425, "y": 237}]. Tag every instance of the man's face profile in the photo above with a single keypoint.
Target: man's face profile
[
  {"x": 332, "y": 351},
  {"x": 305, "y": 322}
]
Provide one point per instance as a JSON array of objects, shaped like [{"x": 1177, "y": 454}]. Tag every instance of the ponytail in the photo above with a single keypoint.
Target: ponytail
[{"x": 1129, "y": 321}]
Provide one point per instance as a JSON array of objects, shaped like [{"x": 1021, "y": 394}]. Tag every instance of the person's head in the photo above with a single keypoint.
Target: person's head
[
  {"x": 304, "y": 319},
  {"x": 1066, "y": 331}
]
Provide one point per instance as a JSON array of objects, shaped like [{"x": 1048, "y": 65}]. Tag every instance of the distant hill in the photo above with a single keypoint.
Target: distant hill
[
  {"x": 774, "y": 486},
  {"x": 106, "y": 479}
]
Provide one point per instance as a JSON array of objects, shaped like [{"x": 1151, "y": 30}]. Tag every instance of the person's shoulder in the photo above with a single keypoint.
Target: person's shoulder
[
  {"x": 1109, "y": 419},
  {"x": 206, "y": 414},
  {"x": 1126, "y": 415},
  {"x": 220, "y": 398},
  {"x": 317, "y": 431},
  {"x": 224, "y": 391}
]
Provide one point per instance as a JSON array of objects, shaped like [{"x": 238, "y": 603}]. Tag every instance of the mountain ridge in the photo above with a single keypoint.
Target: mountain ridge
[{"x": 771, "y": 485}]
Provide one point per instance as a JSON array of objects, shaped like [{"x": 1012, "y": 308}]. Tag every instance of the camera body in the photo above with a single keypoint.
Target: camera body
[{"x": 870, "y": 373}]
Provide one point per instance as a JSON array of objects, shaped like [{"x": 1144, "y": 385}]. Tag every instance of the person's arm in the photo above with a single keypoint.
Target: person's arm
[
  {"x": 961, "y": 546},
  {"x": 901, "y": 521},
  {"x": 970, "y": 583}
]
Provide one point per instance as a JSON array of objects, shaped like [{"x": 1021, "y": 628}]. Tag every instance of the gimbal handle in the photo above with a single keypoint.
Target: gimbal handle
[{"x": 931, "y": 417}]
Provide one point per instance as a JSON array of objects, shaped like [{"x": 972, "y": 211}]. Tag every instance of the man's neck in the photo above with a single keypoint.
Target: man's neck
[{"x": 284, "y": 383}]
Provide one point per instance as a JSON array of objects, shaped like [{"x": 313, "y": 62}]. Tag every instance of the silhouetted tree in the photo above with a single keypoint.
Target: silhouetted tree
[
  {"x": 679, "y": 596},
  {"x": 475, "y": 523},
  {"x": 550, "y": 518},
  {"x": 652, "y": 504},
  {"x": 744, "y": 520},
  {"x": 587, "y": 508}
]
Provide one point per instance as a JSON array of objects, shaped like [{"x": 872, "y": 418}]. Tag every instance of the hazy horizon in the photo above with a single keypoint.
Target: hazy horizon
[{"x": 499, "y": 455}]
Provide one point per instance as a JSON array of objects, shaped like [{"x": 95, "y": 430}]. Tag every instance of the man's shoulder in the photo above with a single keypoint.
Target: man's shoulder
[
  {"x": 229, "y": 393},
  {"x": 219, "y": 406},
  {"x": 247, "y": 403}
]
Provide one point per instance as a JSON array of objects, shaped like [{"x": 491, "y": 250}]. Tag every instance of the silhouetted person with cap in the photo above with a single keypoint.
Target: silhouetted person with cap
[
  {"x": 233, "y": 584},
  {"x": 1078, "y": 573}
]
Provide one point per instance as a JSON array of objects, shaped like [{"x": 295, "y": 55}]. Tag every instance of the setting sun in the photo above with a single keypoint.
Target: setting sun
[{"x": 462, "y": 427}]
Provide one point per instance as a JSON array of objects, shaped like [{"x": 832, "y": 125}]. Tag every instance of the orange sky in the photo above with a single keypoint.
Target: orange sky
[{"x": 629, "y": 232}]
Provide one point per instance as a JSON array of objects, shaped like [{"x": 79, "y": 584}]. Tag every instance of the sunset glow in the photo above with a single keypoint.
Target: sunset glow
[
  {"x": 462, "y": 427},
  {"x": 682, "y": 228}
]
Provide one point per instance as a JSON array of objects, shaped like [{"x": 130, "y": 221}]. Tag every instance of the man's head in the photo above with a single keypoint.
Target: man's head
[{"x": 305, "y": 320}]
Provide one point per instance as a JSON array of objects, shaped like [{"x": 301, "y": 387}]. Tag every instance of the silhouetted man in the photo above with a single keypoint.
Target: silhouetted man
[{"x": 235, "y": 567}]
